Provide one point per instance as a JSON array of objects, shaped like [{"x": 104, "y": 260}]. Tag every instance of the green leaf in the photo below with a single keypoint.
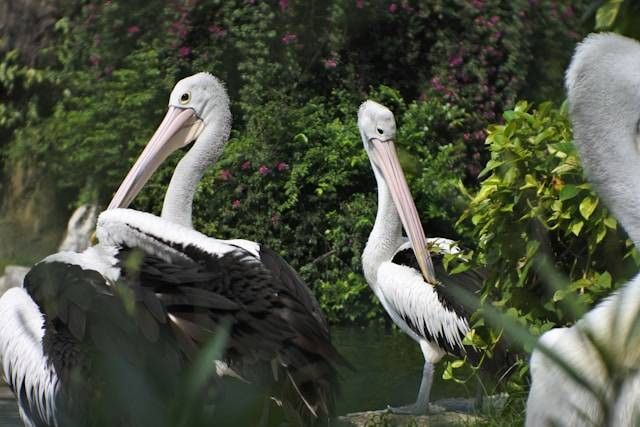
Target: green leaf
[
  {"x": 587, "y": 206},
  {"x": 611, "y": 222},
  {"x": 607, "y": 14},
  {"x": 569, "y": 191},
  {"x": 576, "y": 227},
  {"x": 457, "y": 363},
  {"x": 530, "y": 182}
]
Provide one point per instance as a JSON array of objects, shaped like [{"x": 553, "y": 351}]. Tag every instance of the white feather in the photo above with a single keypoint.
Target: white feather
[
  {"x": 404, "y": 293},
  {"x": 117, "y": 227},
  {"x": 24, "y": 365}
]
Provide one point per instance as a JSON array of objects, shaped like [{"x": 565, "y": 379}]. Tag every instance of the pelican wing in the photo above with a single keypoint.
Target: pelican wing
[{"x": 419, "y": 308}]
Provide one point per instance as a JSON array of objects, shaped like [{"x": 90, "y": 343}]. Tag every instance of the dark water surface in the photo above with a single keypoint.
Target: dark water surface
[{"x": 388, "y": 369}]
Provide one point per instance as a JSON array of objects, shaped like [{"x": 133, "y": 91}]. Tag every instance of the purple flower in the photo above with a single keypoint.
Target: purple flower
[
  {"x": 225, "y": 175},
  {"x": 184, "y": 51},
  {"x": 455, "y": 61},
  {"x": 330, "y": 63},
  {"x": 282, "y": 166},
  {"x": 235, "y": 204},
  {"x": 494, "y": 19},
  {"x": 289, "y": 38},
  {"x": 568, "y": 12},
  {"x": 393, "y": 7},
  {"x": 217, "y": 31},
  {"x": 284, "y": 4},
  {"x": 263, "y": 170},
  {"x": 436, "y": 84},
  {"x": 134, "y": 29},
  {"x": 359, "y": 4},
  {"x": 246, "y": 165}
]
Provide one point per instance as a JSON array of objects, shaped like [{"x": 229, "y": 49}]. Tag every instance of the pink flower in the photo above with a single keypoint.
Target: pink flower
[
  {"x": 108, "y": 71},
  {"x": 284, "y": 4},
  {"x": 289, "y": 38},
  {"x": 217, "y": 31},
  {"x": 393, "y": 7},
  {"x": 263, "y": 170},
  {"x": 455, "y": 61},
  {"x": 225, "y": 175},
  {"x": 97, "y": 40},
  {"x": 359, "y": 4},
  {"x": 235, "y": 203},
  {"x": 479, "y": 134},
  {"x": 246, "y": 165},
  {"x": 330, "y": 63},
  {"x": 94, "y": 60},
  {"x": 184, "y": 51},
  {"x": 134, "y": 29},
  {"x": 435, "y": 82},
  {"x": 494, "y": 19},
  {"x": 282, "y": 166},
  {"x": 275, "y": 218},
  {"x": 466, "y": 136}
]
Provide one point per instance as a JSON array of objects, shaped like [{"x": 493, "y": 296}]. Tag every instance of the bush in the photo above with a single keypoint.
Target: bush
[
  {"x": 296, "y": 74},
  {"x": 551, "y": 246}
]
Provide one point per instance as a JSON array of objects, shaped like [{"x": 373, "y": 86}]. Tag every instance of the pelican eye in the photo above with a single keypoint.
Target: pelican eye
[
  {"x": 380, "y": 131},
  {"x": 185, "y": 98}
]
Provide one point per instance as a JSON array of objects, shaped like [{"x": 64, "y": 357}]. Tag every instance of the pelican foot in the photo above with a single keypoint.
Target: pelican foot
[{"x": 416, "y": 409}]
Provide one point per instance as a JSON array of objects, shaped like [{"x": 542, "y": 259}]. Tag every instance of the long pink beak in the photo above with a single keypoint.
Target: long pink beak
[
  {"x": 178, "y": 128},
  {"x": 387, "y": 159}
]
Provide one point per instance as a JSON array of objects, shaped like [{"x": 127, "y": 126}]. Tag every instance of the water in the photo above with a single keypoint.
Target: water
[{"x": 388, "y": 368}]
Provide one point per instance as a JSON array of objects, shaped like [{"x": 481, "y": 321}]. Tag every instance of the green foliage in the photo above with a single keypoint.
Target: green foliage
[
  {"x": 550, "y": 245},
  {"x": 620, "y": 16},
  {"x": 296, "y": 73}
]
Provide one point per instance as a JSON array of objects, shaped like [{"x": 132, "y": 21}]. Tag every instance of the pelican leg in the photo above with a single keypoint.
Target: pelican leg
[{"x": 421, "y": 406}]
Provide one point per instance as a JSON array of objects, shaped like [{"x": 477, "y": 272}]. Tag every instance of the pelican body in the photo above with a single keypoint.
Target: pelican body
[
  {"x": 179, "y": 288},
  {"x": 603, "y": 85},
  {"x": 399, "y": 270}
]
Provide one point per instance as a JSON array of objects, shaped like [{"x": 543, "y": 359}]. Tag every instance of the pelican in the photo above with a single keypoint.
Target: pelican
[
  {"x": 182, "y": 286},
  {"x": 399, "y": 270},
  {"x": 603, "y": 86},
  {"x": 210, "y": 129}
]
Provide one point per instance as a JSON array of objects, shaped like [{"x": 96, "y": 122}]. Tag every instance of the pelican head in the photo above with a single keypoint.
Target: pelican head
[
  {"x": 603, "y": 87},
  {"x": 195, "y": 103},
  {"x": 378, "y": 131}
]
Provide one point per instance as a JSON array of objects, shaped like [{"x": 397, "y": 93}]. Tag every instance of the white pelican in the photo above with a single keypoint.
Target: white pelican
[
  {"x": 603, "y": 85},
  {"x": 183, "y": 286},
  {"x": 400, "y": 271}
]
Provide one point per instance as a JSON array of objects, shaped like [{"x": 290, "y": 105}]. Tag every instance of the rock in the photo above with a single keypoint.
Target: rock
[
  {"x": 384, "y": 418},
  {"x": 13, "y": 276},
  {"x": 79, "y": 229}
]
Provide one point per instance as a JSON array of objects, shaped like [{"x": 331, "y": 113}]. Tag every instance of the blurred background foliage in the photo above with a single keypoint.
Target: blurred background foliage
[{"x": 76, "y": 113}]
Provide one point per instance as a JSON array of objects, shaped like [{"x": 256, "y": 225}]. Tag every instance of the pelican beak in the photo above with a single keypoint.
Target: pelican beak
[
  {"x": 178, "y": 128},
  {"x": 384, "y": 153}
]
